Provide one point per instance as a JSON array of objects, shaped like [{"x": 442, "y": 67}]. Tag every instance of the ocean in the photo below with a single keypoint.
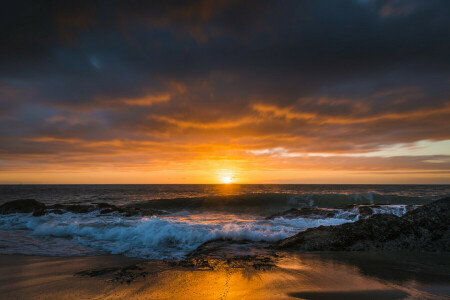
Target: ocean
[{"x": 188, "y": 215}]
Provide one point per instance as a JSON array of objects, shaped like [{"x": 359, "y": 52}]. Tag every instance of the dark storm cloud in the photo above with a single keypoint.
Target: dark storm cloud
[{"x": 318, "y": 76}]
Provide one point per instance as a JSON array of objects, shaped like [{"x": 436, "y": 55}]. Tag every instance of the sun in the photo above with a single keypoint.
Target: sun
[
  {"x": 226, "y": 176},
  {"x": 227, "y": 179}
]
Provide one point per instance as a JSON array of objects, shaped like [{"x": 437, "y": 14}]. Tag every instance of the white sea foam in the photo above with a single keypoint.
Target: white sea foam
[
  {"x": 155, "y": 237},
  {"x": 398, "y": 210},
  {"x": 170, "y": 236}
]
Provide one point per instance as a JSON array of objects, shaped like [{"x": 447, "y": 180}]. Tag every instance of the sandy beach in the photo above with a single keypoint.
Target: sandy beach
[{"x": 278, "y": 276}]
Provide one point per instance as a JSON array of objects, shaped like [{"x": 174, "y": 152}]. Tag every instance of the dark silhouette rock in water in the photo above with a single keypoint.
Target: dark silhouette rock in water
[
  {"x": 39, "y": 209},
  {"x": 365, "y": 211},
  {"x": 352, "y": 210},
  {"x": 78, "y": 208},
  {"x": 305, "y": 212},
  {"x": 23, "y": 206},
  {"x": 424, "y": 229}
]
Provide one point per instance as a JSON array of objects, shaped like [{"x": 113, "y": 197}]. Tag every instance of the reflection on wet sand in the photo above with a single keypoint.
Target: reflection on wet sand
[
  {"x": 283, "y": 276},
  {"x": 352, "y": 295}
]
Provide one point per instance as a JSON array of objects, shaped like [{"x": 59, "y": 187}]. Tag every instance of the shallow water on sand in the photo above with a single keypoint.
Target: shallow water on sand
[{"x": 293, "y": 276}]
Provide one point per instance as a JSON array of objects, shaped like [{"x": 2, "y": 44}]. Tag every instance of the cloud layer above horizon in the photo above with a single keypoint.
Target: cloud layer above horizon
[{"x": 268, "y": 91}]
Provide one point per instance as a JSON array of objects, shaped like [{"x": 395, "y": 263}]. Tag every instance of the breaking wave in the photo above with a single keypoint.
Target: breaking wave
[
  {"x": 154, "y": 237},
  {"x": 163, "y": 237}
]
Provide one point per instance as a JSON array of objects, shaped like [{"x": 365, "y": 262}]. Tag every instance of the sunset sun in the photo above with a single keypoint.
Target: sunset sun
[{"x": 227, "y": 179}]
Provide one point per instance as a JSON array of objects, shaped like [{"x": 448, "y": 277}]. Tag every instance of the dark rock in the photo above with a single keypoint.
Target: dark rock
[
  {"x": 151, "y": 212},
  {"x": 350, "y": 236},
  {"x": 39, "y": 209},
  {"x": 79, "y": 209},
  {"x": 109, "y": 208},
  {"x": 120, "y": 274},
  {"x": 257, "y": 262},
  {"x": 22, "y": 206},
  {"x": 97, "y": 272},
  {"x": 73, "y": 208},
  {"x": 263, "y": 266},
  {"x": 410, "y": 207},
  {"x": 39, "y": 213},
  {"x": 353, "y": 206},
  {"x": 425, "y": 229},
  {"x": 198, "y": 263},
  {"x": 104, "y": 208},
  {"x": 305, "y": 212},
  {"x": 57, "y": 206},
  {"x": 348, "y": 206},
  {"x": 130, "y": 212},
  {"x": 106, "y": 205},
  {"x": 365, "y": 211}
]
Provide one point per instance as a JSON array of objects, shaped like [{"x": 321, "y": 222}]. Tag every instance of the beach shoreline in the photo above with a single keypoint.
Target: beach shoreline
[
  {"x": 280, "y": 275},
  {"x": 399, "y": 255}
]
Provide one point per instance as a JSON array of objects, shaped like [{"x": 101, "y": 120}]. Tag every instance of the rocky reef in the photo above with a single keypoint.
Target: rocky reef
[
  {"x": 350, "y": 211},
  {"x": 305, "y": 212},
  {"x": 22, "y": 206},
  {"x": 426, "y": 228},
  {"x": 39, "y": 209}
]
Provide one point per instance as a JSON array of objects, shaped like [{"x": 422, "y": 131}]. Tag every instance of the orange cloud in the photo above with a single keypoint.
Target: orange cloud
[{"x": 147, "y": 100}]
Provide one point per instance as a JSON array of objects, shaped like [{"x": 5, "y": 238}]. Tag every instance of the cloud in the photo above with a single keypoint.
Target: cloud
[
  {"x": 147, "y": 100},
  {"x": 192, "y": 81}
]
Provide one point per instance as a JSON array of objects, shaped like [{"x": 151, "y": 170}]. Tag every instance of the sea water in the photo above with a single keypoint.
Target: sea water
[{"x": 193, "y": 215}]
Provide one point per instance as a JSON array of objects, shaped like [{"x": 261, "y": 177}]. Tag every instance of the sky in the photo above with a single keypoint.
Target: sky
[{"x": 323, "y": 91}]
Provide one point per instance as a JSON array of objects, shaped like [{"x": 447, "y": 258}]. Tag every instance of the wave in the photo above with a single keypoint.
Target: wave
[
  {"x": 169, "y": 236},
  {"x": 264, "y": 203},
  {"x": 154, "y": 238}
]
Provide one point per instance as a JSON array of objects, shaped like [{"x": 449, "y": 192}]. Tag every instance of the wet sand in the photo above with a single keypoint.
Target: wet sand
[{"x": 282, "y": 276}]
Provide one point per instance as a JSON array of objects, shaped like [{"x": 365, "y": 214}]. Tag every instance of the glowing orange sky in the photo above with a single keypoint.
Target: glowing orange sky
[{"x": 196, "y": 92}]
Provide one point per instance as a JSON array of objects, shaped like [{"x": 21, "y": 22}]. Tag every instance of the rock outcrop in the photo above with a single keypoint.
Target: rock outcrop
[
  {"x": 425, "y": 229},
  {"x": 22, "y": 206},
  {"x": 305, "y": 212},
  {"x": 39, "y": 209}
]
